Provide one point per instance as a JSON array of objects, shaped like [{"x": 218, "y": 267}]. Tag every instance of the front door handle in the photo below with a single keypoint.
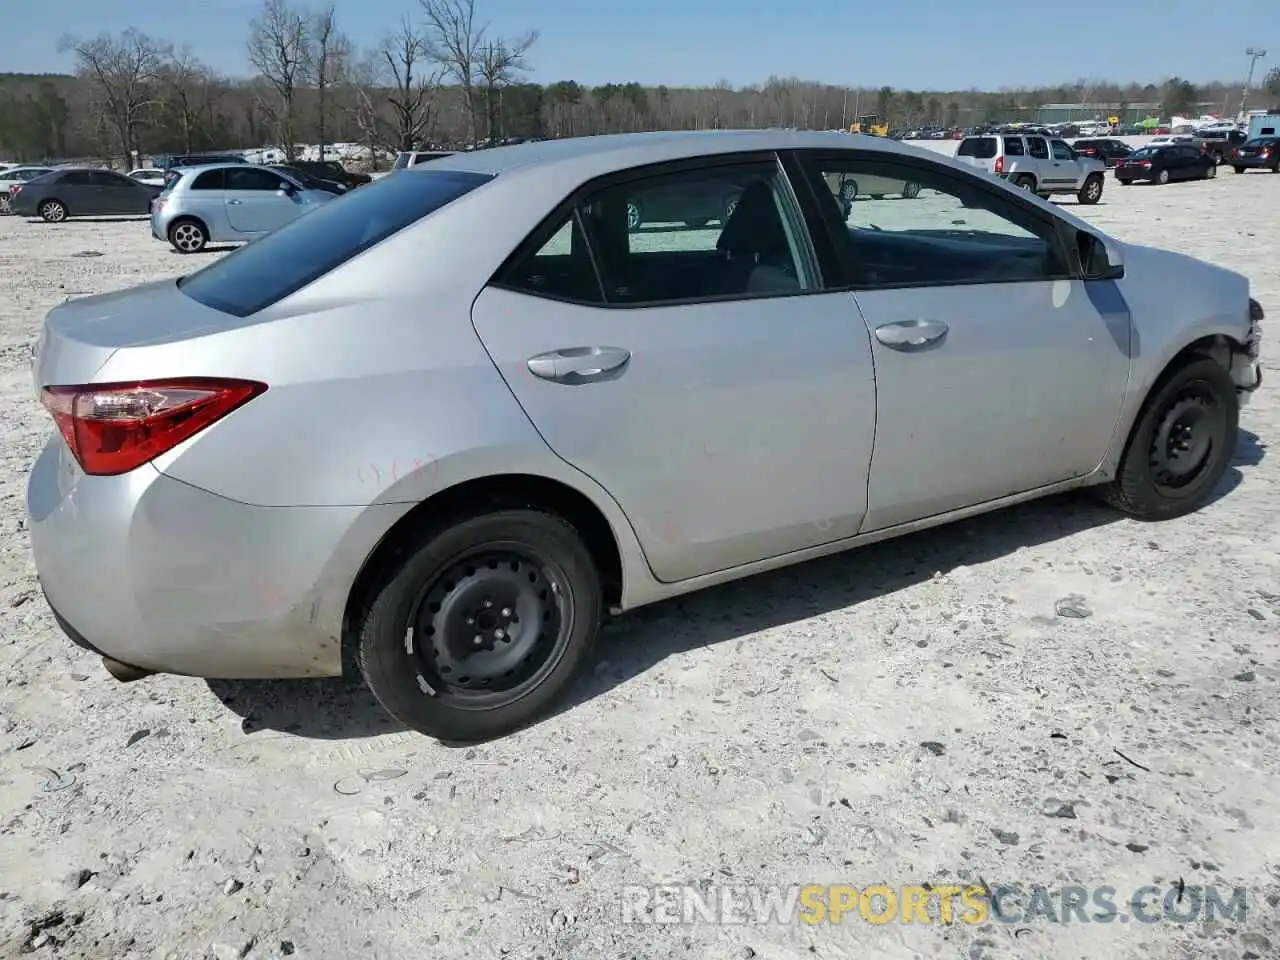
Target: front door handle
[
  {"x": 911, "y": 334},
  {"x": 580, "y": 364},
  {"x": 234, "y": 203}
]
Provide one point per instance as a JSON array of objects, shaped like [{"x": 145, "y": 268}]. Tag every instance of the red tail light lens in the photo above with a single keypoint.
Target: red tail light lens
[
  {"x": 999, "y": 164},
  {"x": 15, "y": 190},
  {"x": 113, "y": 428}
]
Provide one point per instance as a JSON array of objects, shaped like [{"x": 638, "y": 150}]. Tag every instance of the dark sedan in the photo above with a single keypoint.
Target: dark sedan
[
  {"x": 1162, "y": 164},
  {"x": 1260, "y": 153},
  {"x": 63, "y": 194},
  {"x": 310, "y": 181}
]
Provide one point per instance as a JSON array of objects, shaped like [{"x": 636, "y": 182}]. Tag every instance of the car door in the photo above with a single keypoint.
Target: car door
[
  {"x": 1047, "y": 175},
  {"x": 703, "y": 376},
  {"x": 998, "y": 371},
  {"x": 256, "y": 201},
  {"x": 81, "y": 192},
  {"x": 1068, "y": 170},
  {"x": 120, "y": 195}
]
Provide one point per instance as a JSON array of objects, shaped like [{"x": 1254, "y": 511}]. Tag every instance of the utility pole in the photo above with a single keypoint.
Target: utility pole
[
  {"x": 1254, "y": 54},
  {"x": 844, "y": 111}
]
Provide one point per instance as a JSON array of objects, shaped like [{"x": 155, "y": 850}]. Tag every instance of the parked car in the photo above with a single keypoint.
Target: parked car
[
  {"x": 332, "y": 171},
  {"x": 1042, "y": 165},
  {"x": 17, "y": 177},
  {"x": 172, "y": 165},
  {"x": 78, "y": 192},
  {"x": 151, "y": 175},
  {"x": 1258, "y": 153},
  {"x": 1218, "y": 144},
  {"x": 1161, "y": 164},
  {"x": 1106, "y": 149},
  {"x": 229, "y": 203},
  {"x": 411, "y": 158},
  {"x": 308, "y": 180},
  {"x": 452, "y": 458}
]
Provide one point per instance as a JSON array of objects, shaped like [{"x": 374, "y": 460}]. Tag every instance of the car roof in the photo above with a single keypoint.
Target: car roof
[{"x": 620, "y": 151}]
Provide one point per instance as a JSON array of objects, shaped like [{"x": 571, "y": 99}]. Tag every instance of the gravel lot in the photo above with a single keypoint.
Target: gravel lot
[{"x": 915, "y": 712}]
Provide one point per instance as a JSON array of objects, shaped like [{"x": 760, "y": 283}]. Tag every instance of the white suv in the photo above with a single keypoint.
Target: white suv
[{"x": 1043, "y": 165}]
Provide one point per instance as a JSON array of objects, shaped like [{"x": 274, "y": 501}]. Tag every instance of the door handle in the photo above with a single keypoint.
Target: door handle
[
  {"x": 234, "y": 202},
  {"x": 579, "y": 364},
  {"x": 911, "y": 334}
]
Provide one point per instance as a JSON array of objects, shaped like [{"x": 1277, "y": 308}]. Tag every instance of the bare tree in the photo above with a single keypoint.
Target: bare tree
[
  {"x": 280, "y": 49},
  {"x": 400, "y": 74},
  {"x": 190, "y": 87},
  {"x": 124, "y": 74},
  {"x": 501, "y": 62},
  {"x": 330, "y": 59},
  {"x": 454, "y": 41}
]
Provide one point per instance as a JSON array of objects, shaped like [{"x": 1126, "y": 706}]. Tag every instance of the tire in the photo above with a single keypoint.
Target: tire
[
  {"x": 635, "y": 218},
  {"x": 53, "y": 211},
  {"x": 188, "y": 235},
  {"x": 1201, "y": 391},
  {"x": 1026, "y": 182},
  {"x": 1238, "y": 169},
  {"x": 730, "y": 205},
  {"x": 1211, "y": 172},
  {"x": 469, "y": 576},
  {"x": 1091, "y": 190},
  {"x": 911, "y": 190},
  {"x": 1162, "y": 177}
]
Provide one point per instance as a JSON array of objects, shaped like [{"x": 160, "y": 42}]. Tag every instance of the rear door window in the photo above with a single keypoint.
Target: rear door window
[
  {"x": 1013, "y": 147},
  {"x": 303, "y": 250},
  {"x": 980, "y": 148},
  {"x": 1038, "y": 148}
]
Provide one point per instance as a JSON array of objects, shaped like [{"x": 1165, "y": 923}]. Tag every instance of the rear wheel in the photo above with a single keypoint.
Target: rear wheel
[
  {"x": 1091, "y": 190},
  {"x": 1211, "y": 172},
  {"x": 1181, "y": 445},
  {"x": 53, "y": 211},
  {"x": 1026, "y": 182},
  {"x": 188, "y": 236},
  {"x": 481, "y": 628},
  {"x": 634, "y": 217},
  {"x": 1238, "y": 169}
]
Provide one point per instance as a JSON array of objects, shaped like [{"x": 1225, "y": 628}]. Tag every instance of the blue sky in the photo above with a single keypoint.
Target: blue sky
[{"x": 917, "y": 44}]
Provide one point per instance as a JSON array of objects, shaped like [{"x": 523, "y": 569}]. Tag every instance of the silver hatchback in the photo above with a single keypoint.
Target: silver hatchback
[
  {"x": 453, "y": 420},
  {"x": 228, "y": 203}
]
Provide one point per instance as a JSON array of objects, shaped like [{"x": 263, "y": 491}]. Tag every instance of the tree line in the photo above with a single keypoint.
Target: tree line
[{"x": 442, "y": 76}]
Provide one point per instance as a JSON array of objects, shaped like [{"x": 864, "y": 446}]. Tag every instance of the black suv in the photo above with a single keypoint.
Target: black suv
[
  {"x": 1107, "y": 150},
  {"x": 331, "y": 170},
  {"x": 171, "y": 165}
]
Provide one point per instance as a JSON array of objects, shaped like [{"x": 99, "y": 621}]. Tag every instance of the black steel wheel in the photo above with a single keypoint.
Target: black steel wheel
[
  {"x": 1181, "y": 444},
  {"x": 483, "y": 626}
]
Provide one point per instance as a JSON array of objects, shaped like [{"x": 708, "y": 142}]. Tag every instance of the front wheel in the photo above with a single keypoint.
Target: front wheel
[
  {"x": 1091, "y": 190},
  {"x": 53, "y": 211},
  {"x": 479, "y": 630},
  {"x": 1180, "y": 446}
]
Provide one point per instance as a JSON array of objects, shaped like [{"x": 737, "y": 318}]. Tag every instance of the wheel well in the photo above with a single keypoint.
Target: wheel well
[
  {"x": 483, "y": 495},
  {"x": 1217, "y": 347}
]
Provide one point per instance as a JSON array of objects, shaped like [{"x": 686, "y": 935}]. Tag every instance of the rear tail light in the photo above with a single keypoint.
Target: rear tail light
[
  {"x": 1145, "y": 163},
  {"x": 15, "y": 190},
  {"x": 1266, "y": 152},
  {"x": 112, "y": 428},
  {"x": 999, "y": 164}
]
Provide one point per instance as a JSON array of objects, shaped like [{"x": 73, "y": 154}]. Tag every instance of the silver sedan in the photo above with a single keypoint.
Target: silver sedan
[{"x": 452, "y": 420}]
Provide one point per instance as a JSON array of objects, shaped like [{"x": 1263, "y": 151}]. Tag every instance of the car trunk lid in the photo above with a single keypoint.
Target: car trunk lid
[{"x": 82, "y": 334}]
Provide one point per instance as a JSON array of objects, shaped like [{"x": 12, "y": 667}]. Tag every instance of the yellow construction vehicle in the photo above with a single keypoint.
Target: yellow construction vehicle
[{"x": 869, "y": 124}]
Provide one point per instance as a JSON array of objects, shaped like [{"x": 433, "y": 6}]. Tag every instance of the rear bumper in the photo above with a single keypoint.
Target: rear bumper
[
  {"x": 163, "y": 576},
  {"x": 1250, "y": 163}
]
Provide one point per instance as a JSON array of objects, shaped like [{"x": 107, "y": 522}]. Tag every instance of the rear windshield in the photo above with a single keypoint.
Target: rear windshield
[
  {"x": 981, "y": 148},
  {"x": 286, "y": 260}
]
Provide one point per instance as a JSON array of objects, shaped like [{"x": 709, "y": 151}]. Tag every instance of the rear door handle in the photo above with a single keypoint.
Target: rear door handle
[
  {"x": 234, "y": 202},
  {"x": 579, "y": 364},
  {"x": 911, "y": 335}
]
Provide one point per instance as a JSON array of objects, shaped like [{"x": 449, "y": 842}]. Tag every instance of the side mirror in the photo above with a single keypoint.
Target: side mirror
[{"x": 1099, "y": 258}]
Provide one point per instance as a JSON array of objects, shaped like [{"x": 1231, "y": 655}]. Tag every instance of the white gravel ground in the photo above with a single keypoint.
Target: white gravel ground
[{"x": 768, "y": 732}]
